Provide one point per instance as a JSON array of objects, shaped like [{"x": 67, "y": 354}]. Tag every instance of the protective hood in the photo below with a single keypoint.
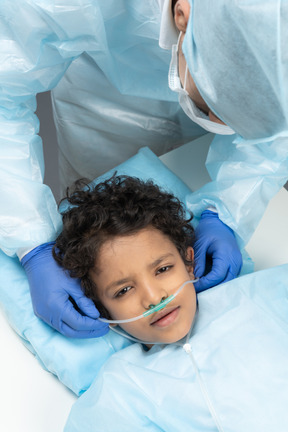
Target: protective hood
[{"x": 237, "y": 55}]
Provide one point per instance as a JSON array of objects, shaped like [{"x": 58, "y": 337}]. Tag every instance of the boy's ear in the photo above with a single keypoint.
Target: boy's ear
[
  {"x": 181, "y": 14},
  {"x": 190, "y": 257}
]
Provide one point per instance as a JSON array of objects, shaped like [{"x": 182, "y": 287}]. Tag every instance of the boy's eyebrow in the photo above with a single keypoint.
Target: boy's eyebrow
[
  {"x": 115, "y": 284},
  {"x": 160, "y": 259},
  {"x": 154, "y": 264}
]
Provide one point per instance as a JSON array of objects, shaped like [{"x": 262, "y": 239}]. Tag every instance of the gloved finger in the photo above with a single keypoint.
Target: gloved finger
[
  {"x": 236, "y": 266},
  {"x": 230, "y": 276},
  {"x": 213, "y": 278},
  {"x": 73, "y": 319},
  {"x": 200, "y": 260},
  {"x": 86, "y": 306},
  {"x": 200, "y": 266},
  {"x": 84, "y": 334},
  {"x": 201, "y": 285}
]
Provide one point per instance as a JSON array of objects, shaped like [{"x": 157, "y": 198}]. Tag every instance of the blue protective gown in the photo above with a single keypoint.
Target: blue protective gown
[
  {"x": 236, "y": 379},
  {"x": 111, "y": 96},
  {"x": 236, "y": 51},
  {"x": 112, "y": 100}
]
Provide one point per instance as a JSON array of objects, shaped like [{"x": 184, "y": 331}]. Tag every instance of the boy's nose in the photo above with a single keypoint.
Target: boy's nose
[{"x": 153, "y": 296}]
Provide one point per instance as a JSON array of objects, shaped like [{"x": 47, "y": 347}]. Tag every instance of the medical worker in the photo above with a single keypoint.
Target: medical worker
[
  {"x": 229, "y": 68},
  {"x": 110, "y": 97}
]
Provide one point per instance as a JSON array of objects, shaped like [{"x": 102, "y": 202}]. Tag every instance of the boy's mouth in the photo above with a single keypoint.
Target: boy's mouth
[{"x": 165, "y": 316}]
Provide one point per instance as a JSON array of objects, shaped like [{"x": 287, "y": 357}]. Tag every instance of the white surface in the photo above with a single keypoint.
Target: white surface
[
  {"x": 32, "y": 400},
  {"x": 268, "y": 246}
]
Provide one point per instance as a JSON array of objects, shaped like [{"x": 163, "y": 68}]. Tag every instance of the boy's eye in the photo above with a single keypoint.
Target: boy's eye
[
  {"x": 163, "y": 269},
  {"x": 123, "y": 291}
]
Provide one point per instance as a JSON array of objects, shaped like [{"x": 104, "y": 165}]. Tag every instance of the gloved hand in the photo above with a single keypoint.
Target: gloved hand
[
  {"x": 215, "y": 241},
  {"x": 53, "y": 294}
]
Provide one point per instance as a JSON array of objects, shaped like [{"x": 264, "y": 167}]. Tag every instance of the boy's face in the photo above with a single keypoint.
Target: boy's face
[{"x": 136, "y": 271}]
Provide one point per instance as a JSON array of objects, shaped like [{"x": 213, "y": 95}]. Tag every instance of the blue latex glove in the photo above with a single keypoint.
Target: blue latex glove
[
  {"x": 54, "y": 294},
  {"x": 215, "y": 241}
]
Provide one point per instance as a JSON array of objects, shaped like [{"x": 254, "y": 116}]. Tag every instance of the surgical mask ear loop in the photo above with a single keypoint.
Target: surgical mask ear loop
[
  {"x": 185, "y": 78},
  {"x": 156, "y": 308},
  {"x": 186, "y": 68},
  {"x": 173, "y": 75}
]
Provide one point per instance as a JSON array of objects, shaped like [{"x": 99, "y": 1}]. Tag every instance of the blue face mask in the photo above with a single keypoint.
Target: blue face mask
[{"x": 186, "y": 103}]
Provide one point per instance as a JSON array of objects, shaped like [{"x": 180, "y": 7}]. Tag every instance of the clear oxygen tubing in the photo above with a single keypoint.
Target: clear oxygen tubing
[
  {"x": 152, "y": 309},
  {"x": 183, "y": 342}
]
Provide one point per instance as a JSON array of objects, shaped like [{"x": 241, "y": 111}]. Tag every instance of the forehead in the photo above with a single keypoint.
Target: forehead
[{"x": 135, "y": 249}]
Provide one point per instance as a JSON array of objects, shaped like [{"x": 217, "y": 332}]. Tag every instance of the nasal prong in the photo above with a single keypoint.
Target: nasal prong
[
  {"x": 152, "y": 306},
  {"x": 160, "y": 305}
]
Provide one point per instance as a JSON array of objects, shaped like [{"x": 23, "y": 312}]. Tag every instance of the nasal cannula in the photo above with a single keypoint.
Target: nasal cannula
[{"x": 152, "y": 309}]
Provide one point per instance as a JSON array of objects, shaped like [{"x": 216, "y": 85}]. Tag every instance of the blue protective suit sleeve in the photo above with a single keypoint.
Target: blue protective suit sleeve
[
  {"x": 245, "y": 176},
  {"x": 247, "y": 40},
  {"x": 38, "y": 41}
]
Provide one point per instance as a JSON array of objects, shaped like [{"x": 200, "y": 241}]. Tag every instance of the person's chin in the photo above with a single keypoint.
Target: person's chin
[
  {"x": 174, "y": 336},
  {"x": 172, "y": 331}
]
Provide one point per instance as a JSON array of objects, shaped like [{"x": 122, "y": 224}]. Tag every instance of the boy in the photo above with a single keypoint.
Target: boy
[{"x": 130, "y": 244}]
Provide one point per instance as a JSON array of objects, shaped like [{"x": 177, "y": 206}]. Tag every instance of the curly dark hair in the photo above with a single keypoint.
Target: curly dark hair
[{"x": 119, "y": 206}]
